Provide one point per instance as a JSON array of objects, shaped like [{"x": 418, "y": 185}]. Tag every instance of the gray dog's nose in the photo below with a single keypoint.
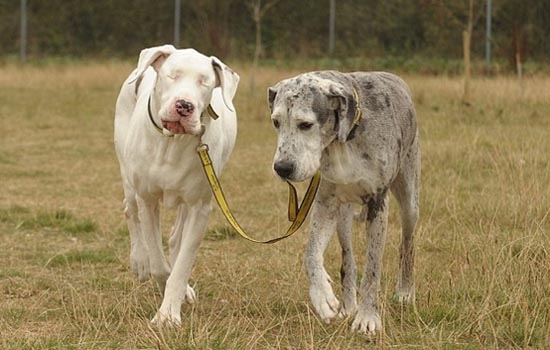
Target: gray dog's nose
[
  {"x": 184, "y": 108},
  {"x": 284, "y": 169}
]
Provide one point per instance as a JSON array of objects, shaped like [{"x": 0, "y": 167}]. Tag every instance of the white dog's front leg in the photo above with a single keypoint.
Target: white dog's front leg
[
  {"x": 150, "y": 227},
  {"x": 177, "y": 289},
  {"x": 323, "y": 225},
  {"x": 139, "y": 255},
  {"x": 174, "y": 243}
]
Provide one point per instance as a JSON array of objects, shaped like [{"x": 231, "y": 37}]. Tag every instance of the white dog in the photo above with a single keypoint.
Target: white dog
[{"x": 161, "y": 112}]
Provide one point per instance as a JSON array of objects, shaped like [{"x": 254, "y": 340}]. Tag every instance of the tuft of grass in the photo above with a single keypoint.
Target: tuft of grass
[
  {"x": 82, "y": 257},
  {"x": 219, "y": 233},
  {"x": 11, "y": 272},
  {"x": 13, "y": 213},
  {"x": 23, "y": 218}
]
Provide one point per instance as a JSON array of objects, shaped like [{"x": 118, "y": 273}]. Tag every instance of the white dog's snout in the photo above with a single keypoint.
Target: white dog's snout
[{"x": 184, "y": 108}]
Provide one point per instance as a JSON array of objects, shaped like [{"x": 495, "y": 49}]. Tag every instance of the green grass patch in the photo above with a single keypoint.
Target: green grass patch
[
  {"x": 5, "y": 159},
  {"x": 24, "y": 218},
  {"x": 82, "y": 257},
  {"x": 122, "y": 231},
  {"x": 42, "y": 344},
  {"x": 220, "y": 233},
  {"x": 12, "y": 315},
  {"x": 10, "y": 272}
]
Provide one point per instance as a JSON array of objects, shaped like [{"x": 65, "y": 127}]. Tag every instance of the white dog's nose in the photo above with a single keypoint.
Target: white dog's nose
[{"x": 184, "y": 108}]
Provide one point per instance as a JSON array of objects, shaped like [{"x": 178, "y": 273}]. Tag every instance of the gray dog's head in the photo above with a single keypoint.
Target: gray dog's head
[{"x": 309, "y": 112}]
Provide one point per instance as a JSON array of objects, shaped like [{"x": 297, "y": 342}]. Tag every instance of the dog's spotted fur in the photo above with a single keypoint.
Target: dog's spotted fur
[{"x": 314, "y": 114}]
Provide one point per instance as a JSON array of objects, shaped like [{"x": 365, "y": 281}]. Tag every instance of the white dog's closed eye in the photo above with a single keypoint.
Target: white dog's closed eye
[{"x": 203, "y": 81}]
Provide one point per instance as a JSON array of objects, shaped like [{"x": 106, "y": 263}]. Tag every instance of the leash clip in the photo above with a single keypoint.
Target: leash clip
[{"x": 202, "y": 147}]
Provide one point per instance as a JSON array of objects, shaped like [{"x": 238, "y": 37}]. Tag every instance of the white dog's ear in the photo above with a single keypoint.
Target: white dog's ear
[
  {"x": 344, "y": 104},
  {"x": 153, "y": 56},
  {"x": 227, "y": 80}
]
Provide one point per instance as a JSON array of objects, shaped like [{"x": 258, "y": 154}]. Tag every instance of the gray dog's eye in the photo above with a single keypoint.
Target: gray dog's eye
[
  {"x": 305, "y": 126},
  {"x": 276, "y": 123}
]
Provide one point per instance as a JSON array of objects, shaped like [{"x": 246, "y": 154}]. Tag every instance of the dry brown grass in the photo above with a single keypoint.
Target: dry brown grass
[{"x": 483, "y": 262}]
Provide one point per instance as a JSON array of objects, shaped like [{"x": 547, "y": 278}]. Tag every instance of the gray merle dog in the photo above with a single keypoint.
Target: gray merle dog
[{"x": 359, "y": 130}]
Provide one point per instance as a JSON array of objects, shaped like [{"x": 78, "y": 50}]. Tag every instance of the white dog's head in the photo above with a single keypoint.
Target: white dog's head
[
  {"x": 185, "y": 82},
  {"x": 309, "y": 112}
]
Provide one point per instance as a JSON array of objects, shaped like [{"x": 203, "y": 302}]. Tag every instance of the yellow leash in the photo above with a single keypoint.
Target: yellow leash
[{"x": 296, "y": 215}]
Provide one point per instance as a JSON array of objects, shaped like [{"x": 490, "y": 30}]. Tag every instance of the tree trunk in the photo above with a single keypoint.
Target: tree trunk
[
  {"x": 517, "y": 47},
  {"x": 467, "y": 70},
  {"x": 258, "y": 48},
  {"x": 466, "y": 40}
]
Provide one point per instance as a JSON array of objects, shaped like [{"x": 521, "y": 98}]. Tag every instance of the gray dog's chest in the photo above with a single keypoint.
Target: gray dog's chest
[{"x": 354, "y": 176}]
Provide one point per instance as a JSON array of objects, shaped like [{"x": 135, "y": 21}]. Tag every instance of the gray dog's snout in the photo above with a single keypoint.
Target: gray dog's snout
[
  {"x": 284, "y": 169},
  {"x": 184, "y": 108}
]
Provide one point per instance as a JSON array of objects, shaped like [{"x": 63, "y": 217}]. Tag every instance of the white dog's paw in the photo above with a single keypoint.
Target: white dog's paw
[
  {"x": 324, "y": 302},
  {"x": 162, "y": 319},
  {"x": 367, "y": 323},
  {"x": 139, "y": 264},
  {"x": 190, "y": 295}
]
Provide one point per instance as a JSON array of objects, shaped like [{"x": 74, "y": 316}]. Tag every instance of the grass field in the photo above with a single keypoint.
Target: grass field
[{"x": 483, "y": 245}]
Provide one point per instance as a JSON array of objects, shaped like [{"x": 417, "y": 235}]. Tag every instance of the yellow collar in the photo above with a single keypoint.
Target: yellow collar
[
  {"x": 358, "y": 111},
  {"x": 358, "y": 115}
]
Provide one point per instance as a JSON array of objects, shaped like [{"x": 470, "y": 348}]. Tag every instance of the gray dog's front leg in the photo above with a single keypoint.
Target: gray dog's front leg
[
  {"x": 348, "y": 271},
  {"x": 368, "y": 319},
  {"x": 323, "y": 225}
]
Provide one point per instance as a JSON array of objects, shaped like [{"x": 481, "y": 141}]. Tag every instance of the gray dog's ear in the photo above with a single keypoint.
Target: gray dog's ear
[
  {"x": 153, "y": 56},
  {"x": 271, "y": 94},
  {"x": 343, "y": 103},
  {"x": 227, "y": 80}
]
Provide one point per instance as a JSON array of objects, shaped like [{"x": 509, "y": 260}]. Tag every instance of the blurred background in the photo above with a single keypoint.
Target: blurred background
[{"x": 415, "y": 35}]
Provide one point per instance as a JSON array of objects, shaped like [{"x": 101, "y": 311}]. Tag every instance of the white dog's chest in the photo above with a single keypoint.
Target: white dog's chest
[{"x": 171, "y": 169}]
